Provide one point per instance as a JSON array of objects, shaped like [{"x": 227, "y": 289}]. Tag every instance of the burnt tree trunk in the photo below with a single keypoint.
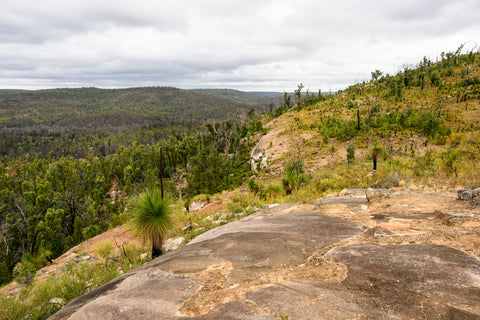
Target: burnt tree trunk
[
  {"x": 161, "y": 173},
  {"x": 358, "y": 119}
]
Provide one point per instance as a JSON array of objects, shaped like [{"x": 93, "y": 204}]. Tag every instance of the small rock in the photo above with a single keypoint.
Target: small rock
[
  {"x": 476, "y": 201},
  {"x": 456, "y": 218},
  {"x": 372, "y": 173},
  {"x": 197, "y": 205},
  {"x": 376, "y": 194},
  {"x": 83, "y": 257},
  {"x": 476, "y": 192},
  {"x": 64, "y": 266},
  {"x": 172, "y": 243},
  {"x": 59, "y": 301},
  {"x": 113, "y": 195},
  {"x": 464, "y": 194}
]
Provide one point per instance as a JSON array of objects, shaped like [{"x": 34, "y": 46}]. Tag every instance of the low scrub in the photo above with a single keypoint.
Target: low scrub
[{"x": 44, "y": 298}]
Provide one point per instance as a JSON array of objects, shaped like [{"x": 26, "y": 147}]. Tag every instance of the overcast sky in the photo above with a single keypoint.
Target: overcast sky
[{"x": 246, "y": 45}]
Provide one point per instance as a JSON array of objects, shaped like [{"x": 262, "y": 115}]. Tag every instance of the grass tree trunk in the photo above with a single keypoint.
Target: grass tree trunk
[
  {"x": 156, "y": 252},
  {"x": 376, "y": 151}
]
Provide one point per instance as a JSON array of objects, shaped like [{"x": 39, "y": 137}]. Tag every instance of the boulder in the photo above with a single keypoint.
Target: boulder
[
  {"x": 173, "y": 243},
  {"x": 464, "y": 194},
  {"x": 476, "y": 192},
  {"x": 353, "y": 201},
  {"x": 469, "y": 194},
  {"x": 374, "y": 195},
  {"x": 456, "y": 218},
  {"x": 476, "y": 201}
]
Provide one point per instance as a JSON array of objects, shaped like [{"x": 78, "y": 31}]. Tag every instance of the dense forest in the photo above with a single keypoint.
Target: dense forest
[{"x": 261, "y": 100}]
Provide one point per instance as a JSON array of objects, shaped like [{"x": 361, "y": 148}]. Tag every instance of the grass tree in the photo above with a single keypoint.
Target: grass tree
[
  {"x": 294, "y": 174},
  {"x": 376, "y": 152},
  {"x": 151, "y": 219}
]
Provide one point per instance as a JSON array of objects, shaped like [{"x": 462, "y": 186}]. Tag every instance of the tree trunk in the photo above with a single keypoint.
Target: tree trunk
[
  {"x": 180, "y": 190},
  {"x": 374, "y": 163},
  {"x": 156, "y": 252},
  {"x": 161, "y": 173},
  {"x": 416, "y": 147},
  {"x": 358, "y": 119}
]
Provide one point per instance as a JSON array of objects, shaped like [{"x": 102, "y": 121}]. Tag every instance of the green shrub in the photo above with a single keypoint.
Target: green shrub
[
  {"x": 274, "y": 190},
  {"x": 91, "y": 231},
  {"x": 42, "y": 258},
  {"x": 351, "y": 153},
  {"x": 34, "y": 302},
  {"x": 327, "y": 182},
  {"x": 294, "y": 175},
  {"x": 118, "y": 219},
  {"x": 392, "y": 173},
  {"x": 424, "y": 165},
  {"x": 202, "y": 197},
  {"x": 255, "y": 186},
  {"x": 104, "y": 250},
  {"x": 24, "y": 271},
  {"x": 234, "y": 207}
]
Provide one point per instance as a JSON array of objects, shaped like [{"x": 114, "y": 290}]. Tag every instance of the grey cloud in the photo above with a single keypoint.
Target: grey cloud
[
  {"x": 256, "y": 44},
  {"x": 40, "y": 21}
]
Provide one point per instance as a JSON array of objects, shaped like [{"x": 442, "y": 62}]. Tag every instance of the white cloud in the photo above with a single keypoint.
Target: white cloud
[{"x": 249, "y": 45}]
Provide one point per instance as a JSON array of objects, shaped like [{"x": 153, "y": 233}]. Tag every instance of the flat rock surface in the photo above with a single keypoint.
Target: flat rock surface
[{"x": 347, "y": 259}]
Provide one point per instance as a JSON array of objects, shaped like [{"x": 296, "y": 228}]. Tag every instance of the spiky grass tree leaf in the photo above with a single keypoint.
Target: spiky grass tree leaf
[{"x": 151, "y": 217}]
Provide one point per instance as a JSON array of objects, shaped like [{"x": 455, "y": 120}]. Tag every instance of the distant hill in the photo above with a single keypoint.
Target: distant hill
[
  {"x": 30, "y": 121},
  {"x": 104, "y": 109},
  {"x": 12, "y": 90},
  {"x": 255, "y": 99},
  {"x": 270, "y": 94}
]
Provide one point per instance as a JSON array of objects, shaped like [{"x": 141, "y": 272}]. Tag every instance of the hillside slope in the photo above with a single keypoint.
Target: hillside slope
[{"x": 424, "y": 123}]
